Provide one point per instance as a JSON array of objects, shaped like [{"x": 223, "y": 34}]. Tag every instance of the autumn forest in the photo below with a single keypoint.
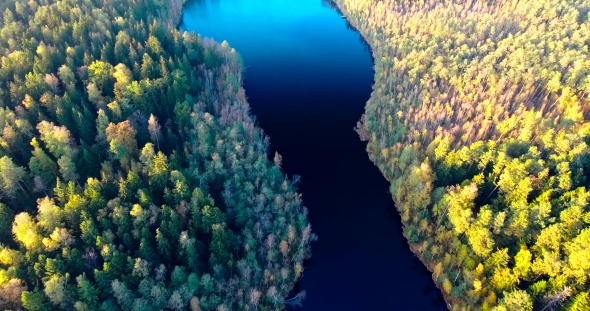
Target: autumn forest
[
  {"x": 133, "y": 175},
  {"x": 479, "y": 120}
]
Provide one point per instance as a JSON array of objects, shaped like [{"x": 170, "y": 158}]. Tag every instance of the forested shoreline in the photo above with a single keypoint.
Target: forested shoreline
[
  {"x": 132, "y": 174},
  {"x": 479, "y": 119}
]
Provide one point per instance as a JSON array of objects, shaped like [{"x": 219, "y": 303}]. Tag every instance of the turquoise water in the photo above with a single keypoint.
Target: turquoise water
[
  {"x": 307, "y": 79},
  {"x": 285, "y": 45}
]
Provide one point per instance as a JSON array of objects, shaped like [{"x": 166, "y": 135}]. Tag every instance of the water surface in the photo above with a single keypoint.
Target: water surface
[{"x": 307, "y": 80}]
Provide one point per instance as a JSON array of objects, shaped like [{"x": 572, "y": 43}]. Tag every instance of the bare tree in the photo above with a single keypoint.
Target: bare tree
[
  {"x": 273, "y": 294},
  {"x": 297, "y": 300},
  {"x": 278, "y": 160},
  {"x": 10, "y": 294},
  {"x": 53, "y": 82},
  {"x": 154, "y": 129},
  {"x": 254, "y": 297},
  {"x": 553, "y": 301},
  {"x": 195, "y": 304}
]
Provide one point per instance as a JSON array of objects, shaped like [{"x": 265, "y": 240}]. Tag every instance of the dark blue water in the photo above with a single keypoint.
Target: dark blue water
[{"x": 307, "y": 80}]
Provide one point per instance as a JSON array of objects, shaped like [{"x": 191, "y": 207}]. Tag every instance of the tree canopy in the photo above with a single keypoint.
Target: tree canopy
[
  {"x": 479, "y": 118},
  {"x": 132, "y": 174}
]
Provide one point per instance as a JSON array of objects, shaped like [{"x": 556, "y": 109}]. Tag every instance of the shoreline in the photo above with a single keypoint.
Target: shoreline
[{"x": 340, "y": 7}]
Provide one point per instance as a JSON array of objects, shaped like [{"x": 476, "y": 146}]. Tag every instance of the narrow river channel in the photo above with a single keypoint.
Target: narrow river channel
[{"x": 307, "y": 80}]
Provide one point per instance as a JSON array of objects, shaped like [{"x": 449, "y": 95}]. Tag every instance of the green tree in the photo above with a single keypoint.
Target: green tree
[
  {"x": 11, "y": 177},
  {"x": 6, "y": 218},
  {"x": 87, "y": 292},
  {"x": 34, "y": 301},
  {"x": 121, "y": 137},
  {"x": 101, "y": 73},
  {"x": 42, "y": 166}
]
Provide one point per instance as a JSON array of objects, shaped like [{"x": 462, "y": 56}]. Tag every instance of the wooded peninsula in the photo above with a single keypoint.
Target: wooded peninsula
[
  {"x": 479, "y": 118},
  {"x": 132, "y": 174}
]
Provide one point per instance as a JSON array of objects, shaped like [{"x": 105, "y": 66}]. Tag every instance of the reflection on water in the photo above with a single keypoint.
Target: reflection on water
[
  {"x": 307, "y": 81},
  {"x": 330, "y": 4}
]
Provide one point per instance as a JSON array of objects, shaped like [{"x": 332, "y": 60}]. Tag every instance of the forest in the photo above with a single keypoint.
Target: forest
[
  {"x": 132, "y": 174},
  {"x": 479, "y": 118}
]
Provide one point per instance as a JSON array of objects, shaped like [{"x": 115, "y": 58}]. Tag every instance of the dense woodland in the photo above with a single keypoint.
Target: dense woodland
[
  {"x": 132, "y": 175},
  {"x": 479, "y": 118}
]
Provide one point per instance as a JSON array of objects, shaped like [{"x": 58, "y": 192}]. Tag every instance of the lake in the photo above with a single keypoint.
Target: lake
[{"x": 308, "y": 77}]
